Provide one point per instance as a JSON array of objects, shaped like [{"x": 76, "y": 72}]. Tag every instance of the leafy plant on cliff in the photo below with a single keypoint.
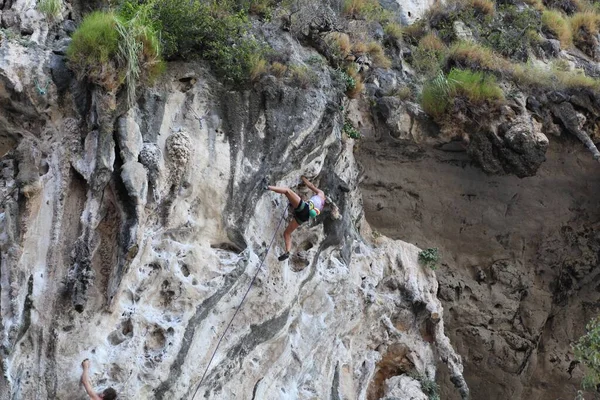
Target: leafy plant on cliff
[
  {"x": 350, "y": 130},
  {"x": 217, "y": 32},
  {"x": 587, "y": 352},
  {"x": 429, "y": 257},
  {"x": 428, "y": 386}
]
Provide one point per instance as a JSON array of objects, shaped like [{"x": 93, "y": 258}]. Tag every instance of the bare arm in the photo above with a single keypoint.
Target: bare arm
[
  {"x": 313, "y": 187},
  {"x": 85, "y": 380}
]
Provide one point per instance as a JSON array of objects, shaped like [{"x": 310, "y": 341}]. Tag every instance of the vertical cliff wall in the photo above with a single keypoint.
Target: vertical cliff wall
[{"x": 133, "y": 249}]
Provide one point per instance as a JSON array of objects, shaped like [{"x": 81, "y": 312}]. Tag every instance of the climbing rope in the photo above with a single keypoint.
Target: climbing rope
[{"x": 241, "y": 302}]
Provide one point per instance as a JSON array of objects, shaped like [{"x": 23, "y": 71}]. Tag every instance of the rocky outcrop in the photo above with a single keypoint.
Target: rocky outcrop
[
  {"x": 130, "y": 237},
  {"x": 519, "y": 256}
]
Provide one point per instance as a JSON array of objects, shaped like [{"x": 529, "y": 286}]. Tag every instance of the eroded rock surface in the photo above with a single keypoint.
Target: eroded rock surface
[{"x": 134, "y": 250}]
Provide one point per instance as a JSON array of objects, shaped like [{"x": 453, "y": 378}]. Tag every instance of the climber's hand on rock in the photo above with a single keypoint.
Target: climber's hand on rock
[{"x": 85, "y": 364}]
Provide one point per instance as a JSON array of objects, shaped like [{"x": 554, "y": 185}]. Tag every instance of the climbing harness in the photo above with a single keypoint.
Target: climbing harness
[{"x": 241, "y": 302}]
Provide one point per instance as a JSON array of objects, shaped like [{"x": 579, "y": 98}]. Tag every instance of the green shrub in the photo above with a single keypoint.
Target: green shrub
[
  {"x": 215, "y": 32},
  {"x": 348, "y": 81},
  {"x": 557, "y": 24},
  {"x": 350, "y": 130},
  {"x": 477, "y": 87},
  {"x": 110, "y": 49},
  {"x": 506, "y": 33},
  {"x": 435, "y": 97},
  {"x": 93, "y": 50},
  {"x": 50, "y": 8},
  {"x": 429, "y": 258},
  {"x": 428, "y": 386},
  {"x": 587, "y": 352}
]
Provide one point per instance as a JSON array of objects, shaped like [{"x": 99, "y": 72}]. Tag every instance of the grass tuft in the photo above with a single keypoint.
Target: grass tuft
[
  {"x": 475, "y": 56},
  {"x": 376, "y": 52},
  {"x": 370, "y": 10},
  {"x": 393, "y": 30},
  {"x": 94, "y": 46},
  {"x": 50, "y": 8},
  {"x": 429, "y": 54},
  {"x": 278, "y": 69},
  {"x": 258, "y": 67},
  {"x": 558, "y": 25},
  {"x": 476, "y": 87}
]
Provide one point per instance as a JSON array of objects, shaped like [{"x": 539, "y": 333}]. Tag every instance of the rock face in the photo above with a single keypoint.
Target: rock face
[
  {"x": 518, "y": 276},
  {"x": 134, "y": 250}
]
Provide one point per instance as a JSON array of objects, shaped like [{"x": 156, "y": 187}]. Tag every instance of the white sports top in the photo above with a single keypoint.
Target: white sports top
[{"x": 317, "y": 202}]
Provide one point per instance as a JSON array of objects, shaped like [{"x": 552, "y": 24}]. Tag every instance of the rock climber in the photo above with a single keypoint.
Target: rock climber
[
  {"x": 107, "y": 394},
  {"x": 303, "y": 210}
]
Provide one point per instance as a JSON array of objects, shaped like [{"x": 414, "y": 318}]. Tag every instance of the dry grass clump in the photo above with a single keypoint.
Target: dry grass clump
[
  {"x": 552, "y": 78},
  {"x": 431, "y": 42},
  {"x": 536, "y": 4},
  {"x": 258, "y": 67},
  {"x": 483, "y": 7},
  {"x": 340, "y": 43},
  {"x": 393, "y": 30},
  {"x": 429, "y": 54},
  {"x": 476, "y": 56},
  {"x": 354, "y": 91},
  {"x": 584, "y": 28},
  {"x": 278, "y": 69},
  {"x": 413, "y": 33},
  {"x": 367, "y": 9},
  {"x": 586, "y": 20},
  {"x": 379, "y": 58},
  {"x": 359, "y": 48},
  {"x": 555, "y": 22}
]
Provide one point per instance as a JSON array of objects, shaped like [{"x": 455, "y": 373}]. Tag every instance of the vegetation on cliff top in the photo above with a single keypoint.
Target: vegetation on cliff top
[{"x": 497, "y": 41}]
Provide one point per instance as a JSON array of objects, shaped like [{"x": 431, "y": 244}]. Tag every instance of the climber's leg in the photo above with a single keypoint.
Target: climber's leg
[
  {"x": 293, "y": 198},
  {"x": 287, "y": 236}
]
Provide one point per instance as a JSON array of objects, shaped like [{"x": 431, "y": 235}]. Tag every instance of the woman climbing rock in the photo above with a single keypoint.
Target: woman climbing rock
[{"x": 303, "y": 210}]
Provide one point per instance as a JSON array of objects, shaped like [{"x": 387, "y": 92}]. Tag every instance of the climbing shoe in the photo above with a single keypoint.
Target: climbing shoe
[{"x": 284, "y": 256}]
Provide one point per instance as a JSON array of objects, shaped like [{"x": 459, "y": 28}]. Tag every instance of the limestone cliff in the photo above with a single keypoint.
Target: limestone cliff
[{"x": 134, "y": 249}]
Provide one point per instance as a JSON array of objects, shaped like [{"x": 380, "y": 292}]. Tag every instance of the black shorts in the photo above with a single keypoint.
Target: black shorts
[{"x": 301, "y": 214}]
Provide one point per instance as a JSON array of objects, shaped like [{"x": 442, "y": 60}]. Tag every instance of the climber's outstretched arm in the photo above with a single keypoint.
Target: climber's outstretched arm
[
  {"x": 313, "y": 187},
  {"x": 85, "y": 380}
]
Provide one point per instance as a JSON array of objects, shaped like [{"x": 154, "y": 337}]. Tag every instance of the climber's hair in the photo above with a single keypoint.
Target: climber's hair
[{"x": 109, "y": 394}]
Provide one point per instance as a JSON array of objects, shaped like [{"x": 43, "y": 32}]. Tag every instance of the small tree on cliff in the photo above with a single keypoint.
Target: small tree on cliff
[{"x": 587, "y": 351}]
